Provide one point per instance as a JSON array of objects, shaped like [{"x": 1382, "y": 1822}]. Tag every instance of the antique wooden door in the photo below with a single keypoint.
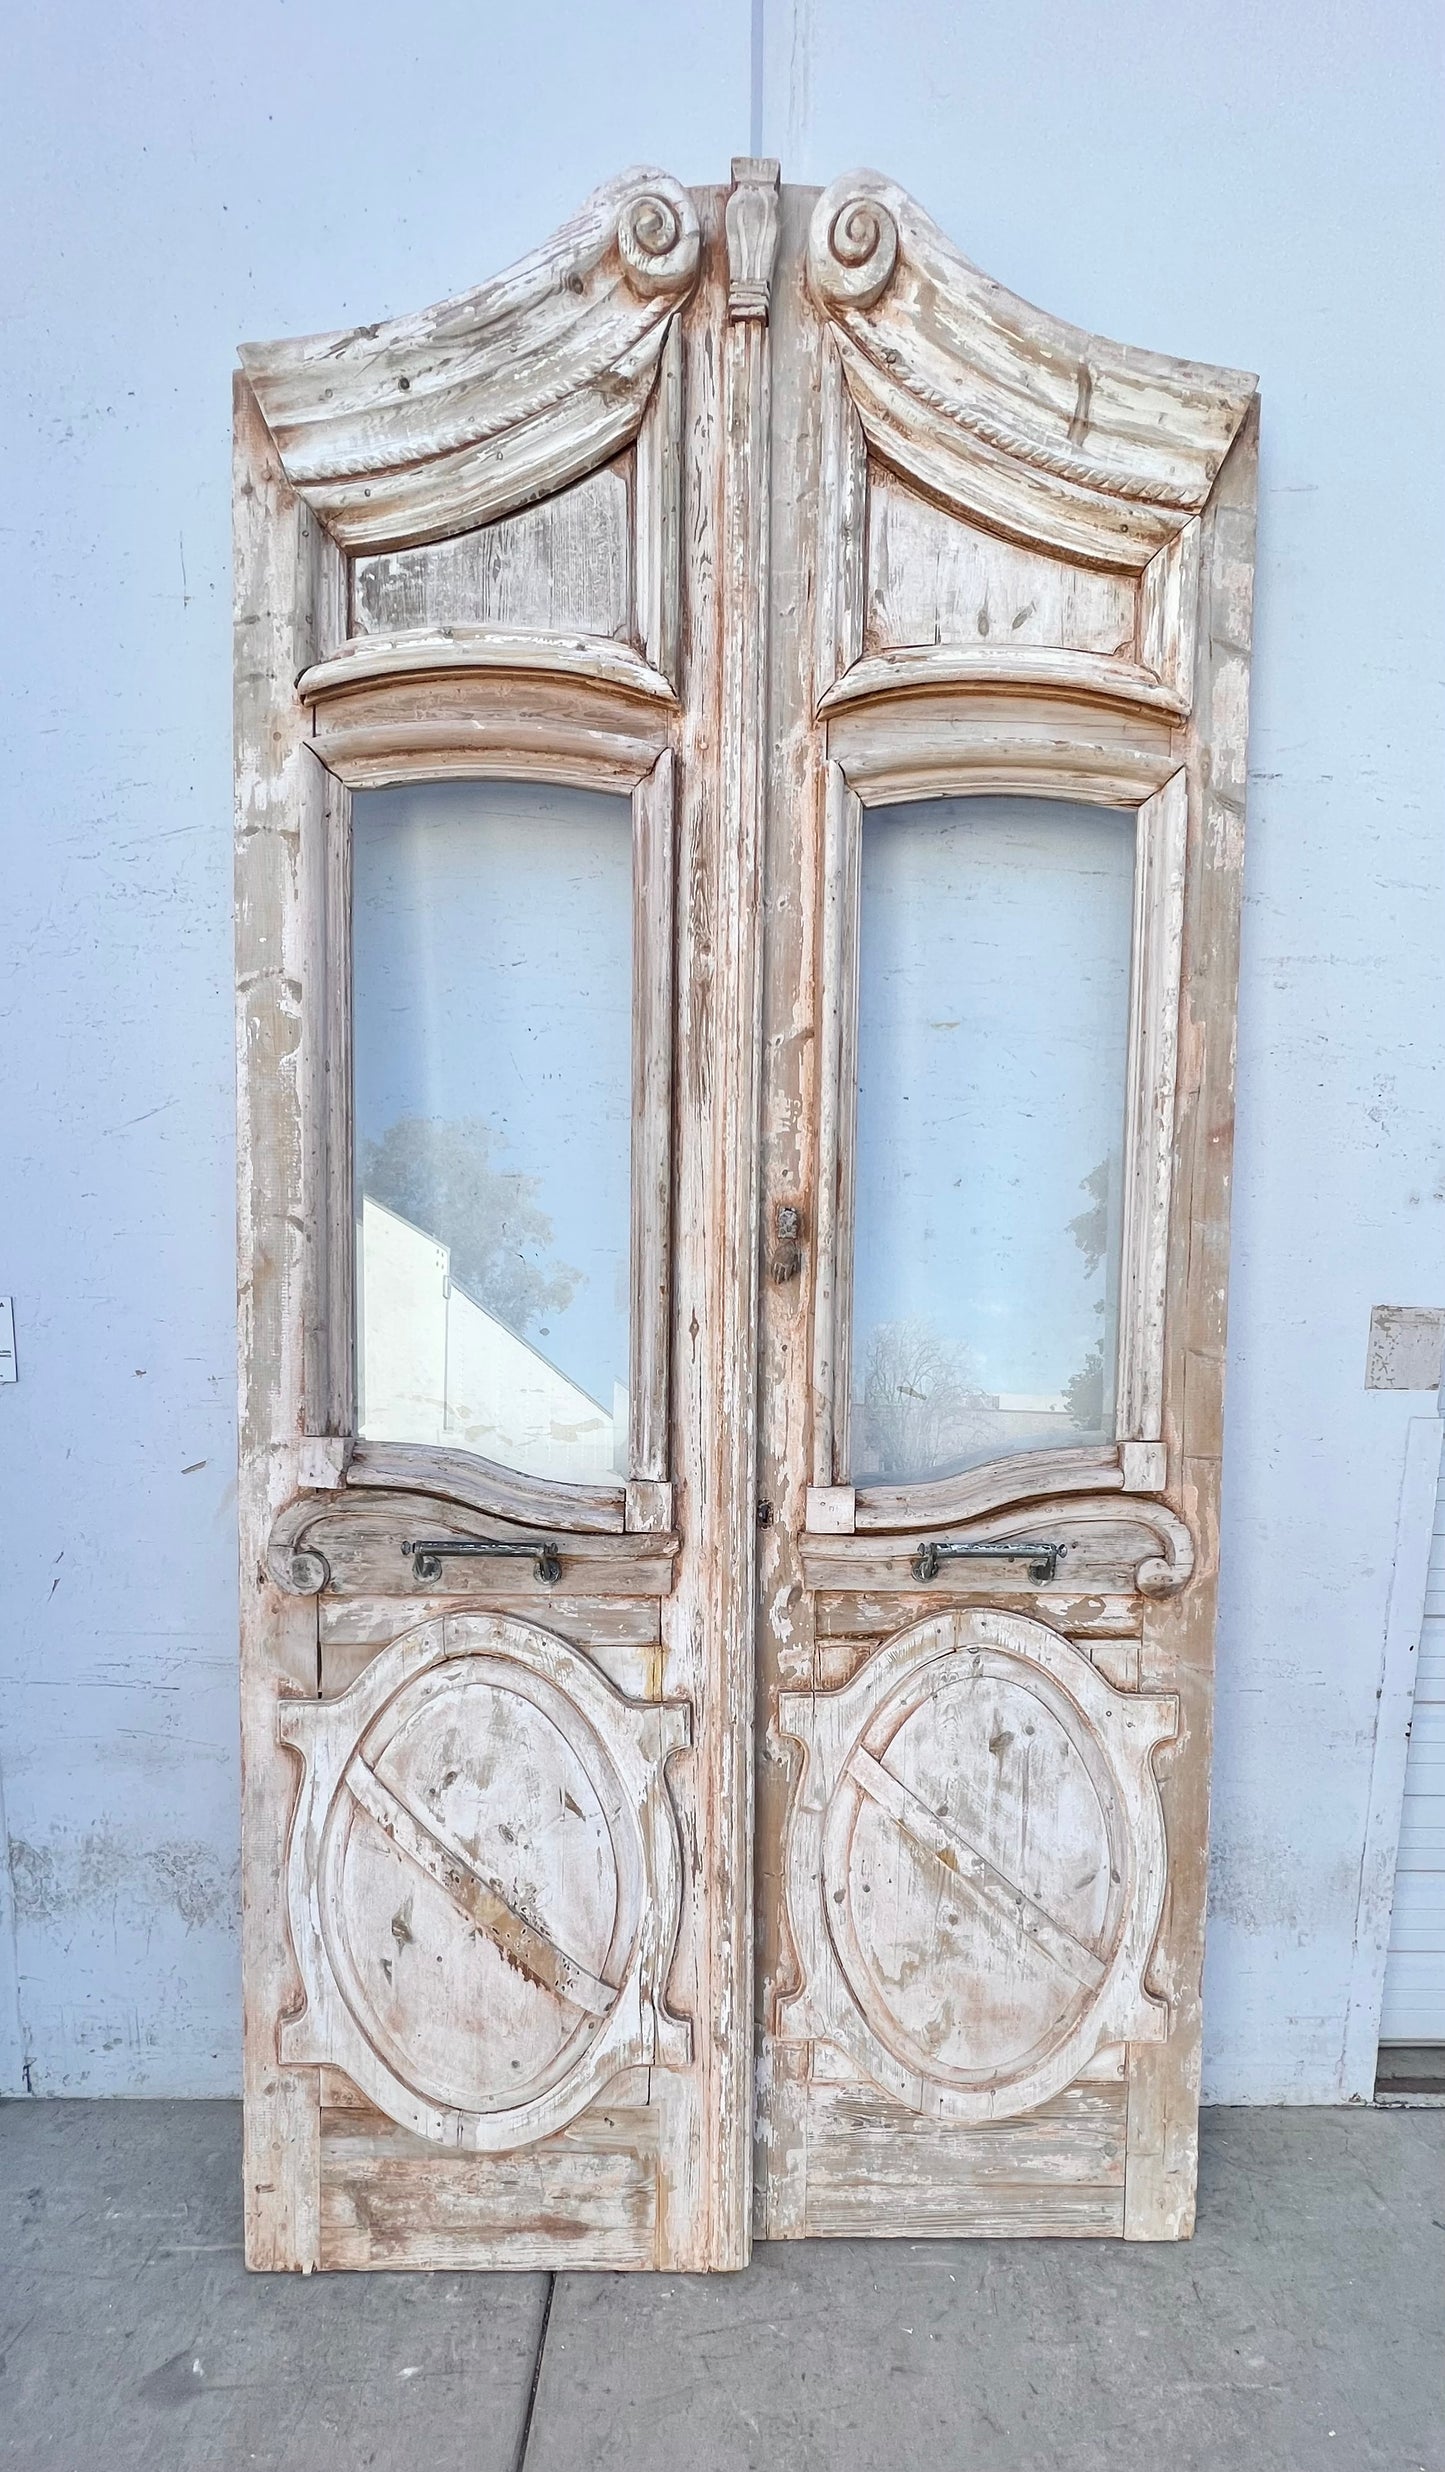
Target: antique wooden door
[{"x": 740, "y": 732}]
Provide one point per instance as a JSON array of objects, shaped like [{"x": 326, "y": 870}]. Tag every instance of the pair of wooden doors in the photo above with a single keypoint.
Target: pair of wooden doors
[{"x": 741, "y": 734}]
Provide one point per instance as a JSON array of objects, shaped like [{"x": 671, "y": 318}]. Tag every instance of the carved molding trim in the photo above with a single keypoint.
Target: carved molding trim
[
  {"x": 751, "y": 225},
  {"x": 867, "y": 1805},
  {"x": 359, "y": 1542},
  {"x": 1109, "y": 1541},
  {"x": 397, "y": 1773},
  {"x": 1052, "y": 435},
  {"x": 423, "y": 652},
  {"x": 427, "y": 425}
]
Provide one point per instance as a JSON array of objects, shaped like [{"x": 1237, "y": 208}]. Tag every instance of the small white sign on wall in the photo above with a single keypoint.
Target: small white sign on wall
[{"x": 9, "y": 1370}]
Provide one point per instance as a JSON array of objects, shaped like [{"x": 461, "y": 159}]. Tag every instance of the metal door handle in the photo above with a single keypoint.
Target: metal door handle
[
  {"x": 1042, "y": 1558},
  {"x": 787, "y": 1258},
  {"x": 429, "y": 1552}
]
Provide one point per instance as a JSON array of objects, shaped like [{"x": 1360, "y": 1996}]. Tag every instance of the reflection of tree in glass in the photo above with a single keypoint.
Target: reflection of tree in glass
[
  {"x": 438, "y": 1174},
  {"x": 1084, "y": 1390},
  {"x": 918, "y": 1404},
  {"x": 1090, "y": 1231}
]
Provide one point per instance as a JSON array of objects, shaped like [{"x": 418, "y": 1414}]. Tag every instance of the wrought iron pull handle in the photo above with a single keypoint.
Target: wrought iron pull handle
[
  {"x": 1042, "y": 1559},
  {"x": 428, "y": 1553}
]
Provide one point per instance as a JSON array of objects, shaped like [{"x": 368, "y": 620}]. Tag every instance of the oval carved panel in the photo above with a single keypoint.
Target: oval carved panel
[
  {"x": 980, "y": 1823},
  {"x": 484, "y": 1881}
]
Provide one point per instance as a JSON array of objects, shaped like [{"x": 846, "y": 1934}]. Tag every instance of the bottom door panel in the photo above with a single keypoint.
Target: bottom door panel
[{"x": 971, "y": 1876}]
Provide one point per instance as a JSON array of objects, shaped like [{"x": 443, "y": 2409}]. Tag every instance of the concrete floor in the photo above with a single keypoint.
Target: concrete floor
[{"x": 1303, "y": 2328}]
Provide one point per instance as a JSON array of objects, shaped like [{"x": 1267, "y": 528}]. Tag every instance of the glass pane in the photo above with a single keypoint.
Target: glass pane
[
  {"x": 492, "y": 989},
  {"x": 993, "y": 1023}
]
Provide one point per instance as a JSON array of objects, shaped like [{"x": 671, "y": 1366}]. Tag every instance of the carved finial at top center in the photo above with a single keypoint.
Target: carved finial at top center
[
  {"x": 752, "y": 235},
  {"x": 852, "y": 248}
]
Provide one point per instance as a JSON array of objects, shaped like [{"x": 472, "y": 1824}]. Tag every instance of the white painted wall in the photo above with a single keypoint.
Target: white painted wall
[{"x": 1257, "y": 186}]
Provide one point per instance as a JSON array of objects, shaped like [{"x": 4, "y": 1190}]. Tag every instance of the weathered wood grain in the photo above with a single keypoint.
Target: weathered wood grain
[
  {"x": 878, "y": 2171},
  {"x": 423, "y": 426},
  {"x": 933, "y": 580},
  {"x": 1178, "y": 1649},
  {"x": 762, "y": 511},
  {"x": 564, "y": 566},
  {"x": 465, "y": 719},
  {"x": 1033, "y": 506},
  {"x": 389, "y": 2200},
  {"x": 286, "y": 577},
  {"x": 1039, "y": 431}
]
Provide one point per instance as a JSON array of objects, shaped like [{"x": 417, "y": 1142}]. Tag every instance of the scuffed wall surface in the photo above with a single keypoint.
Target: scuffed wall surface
[
  {"x": 178, "y": 180},
  {"x": 1261, "y": 188},
  {"x": 1258, "y": 188}
]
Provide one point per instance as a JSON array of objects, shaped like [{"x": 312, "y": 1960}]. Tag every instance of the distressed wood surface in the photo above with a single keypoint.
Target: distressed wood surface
[
  {"x": 883, "y": 2173},
  {"x": 484, "y": 1882},
  {"x": 425, "y": 426},
  {"x": 934, "y": 580},
  {"x": 389, "y": 2200},
  {"x": 1108, "y": 1545},
  {"x": 988, "y": 568},
  {"x": 286, "y": 575},
  {"x": 361, "y": 1544},
  {"x": 433, "y": 651},
  {"x": 763, "y": 510},
  {"x": 481, "y": 1485},
  {"x": 1179, "y": 1638},
  {"x": 653, "y": 1046},
  {"x": 564, "y": 567},
  {"x": 1051, "y": 742},
  {"x": 726, "y": 485},
  {"x": 467, "y": 720},
  {"x": 467, "y": 660},
  {"x": 1032, "y": 426}
]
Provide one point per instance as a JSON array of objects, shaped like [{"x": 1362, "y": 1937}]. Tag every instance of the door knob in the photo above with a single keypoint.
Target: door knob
[{"x": 787, "y": 1258}]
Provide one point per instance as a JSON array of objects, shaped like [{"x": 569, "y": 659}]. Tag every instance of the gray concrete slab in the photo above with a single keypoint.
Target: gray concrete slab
[
  {"x": 134, "y": 2340},
  {"x": 1303, "y": 2329}
]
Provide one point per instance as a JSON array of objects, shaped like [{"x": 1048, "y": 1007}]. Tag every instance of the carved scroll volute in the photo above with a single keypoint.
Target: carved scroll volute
[
  {"x": 424, "y": 426},
  {"x": 852, "y": 250},
  {"x": 657, "y": 239}
]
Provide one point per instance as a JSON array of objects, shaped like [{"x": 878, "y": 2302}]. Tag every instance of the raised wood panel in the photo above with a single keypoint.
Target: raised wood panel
[
  {"x": 389, "y": 2200},
  {"x": 565, "y": 566},
  {"x": 856, "y": 1613},
  {"x": 878, "y": 2171},
  {"x": 934, "y": 579},
  {"x": 622, "y": 1636},
  {"x": 484, "y": 1882},
  {"x": 975, "y": 1865}
]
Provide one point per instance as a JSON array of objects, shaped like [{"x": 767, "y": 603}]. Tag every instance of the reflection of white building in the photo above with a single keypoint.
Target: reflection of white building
[{"x": 436, "y": 1367}]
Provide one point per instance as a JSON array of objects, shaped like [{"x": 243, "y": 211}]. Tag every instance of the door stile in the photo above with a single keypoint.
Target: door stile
[
  {"x": 1178, "y": 1632},
  {"x": 288, "y": 579},
  {"x": 796, "y": 919},
  {"x": 709, "y": 1619}
]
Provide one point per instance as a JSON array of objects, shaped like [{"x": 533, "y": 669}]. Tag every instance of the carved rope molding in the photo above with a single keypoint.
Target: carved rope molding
[
  {"x": 423, "y": 426},
  {"x": 1057, "y": 437}
]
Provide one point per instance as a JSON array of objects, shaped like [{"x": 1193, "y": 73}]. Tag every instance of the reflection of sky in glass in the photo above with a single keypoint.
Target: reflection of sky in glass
[
  {"x": 493, "y": 978},
  {"x": 992, "y": 1051}
]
